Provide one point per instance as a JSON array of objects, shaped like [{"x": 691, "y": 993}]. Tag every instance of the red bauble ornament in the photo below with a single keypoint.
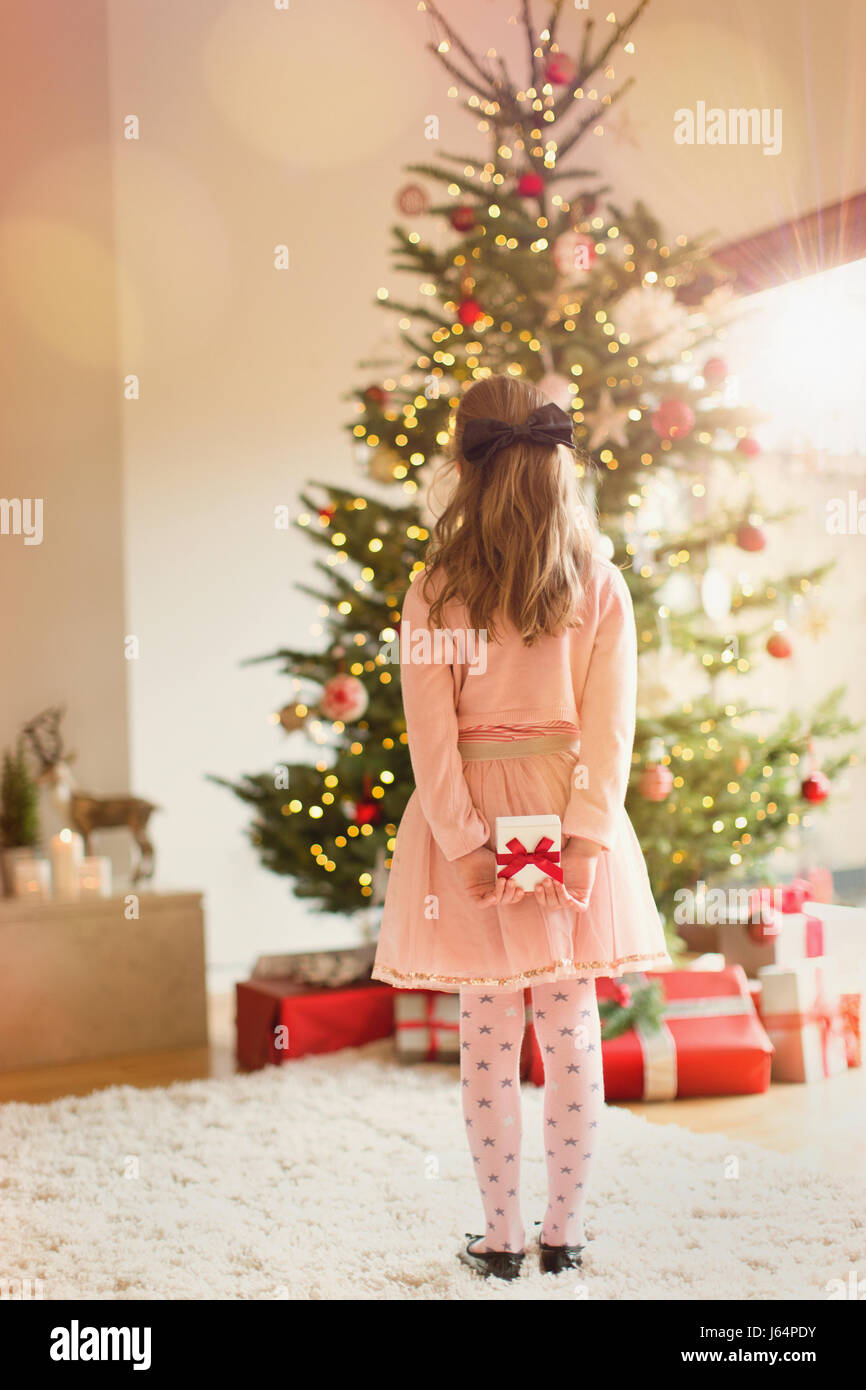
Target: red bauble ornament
[
  {"x": 560, "y": 70},
  {"x": 750, "y": 537},
  {"x": 463, "y": 218},
  {"x": 412, "y": 200},
  {"x": 816, "y": 787},
  {"x": 763, "y": 924},
  {"x": 469, "y": 311},
  {"x": 780, "y": 646},
  {"x": 715, "y": 371},
  {"x": 343, "y": 698},
  {"x": 326, "y": 513},
  {"x": 367, "y": 810},
  {"x": 673, "y": 419},
  {"x": 530, "y": 185},
  {"x": 377, "y": 395},
  {"x": 367, "y": 813},
  {"x": 656, "y": 782},
  {"x": 748, "y": 446}
]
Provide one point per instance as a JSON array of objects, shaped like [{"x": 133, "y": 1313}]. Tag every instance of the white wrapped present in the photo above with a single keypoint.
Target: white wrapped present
[
  {"x": 529, "y": 848},
  {"x": 800, "y": 1009}
]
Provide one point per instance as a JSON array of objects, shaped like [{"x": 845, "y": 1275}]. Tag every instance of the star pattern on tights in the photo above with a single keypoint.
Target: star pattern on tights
[{"x": 563, "y": 1175}]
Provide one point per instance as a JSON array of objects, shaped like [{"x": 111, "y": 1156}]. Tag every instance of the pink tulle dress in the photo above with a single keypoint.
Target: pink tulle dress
[{"x": 502, "y": 729}]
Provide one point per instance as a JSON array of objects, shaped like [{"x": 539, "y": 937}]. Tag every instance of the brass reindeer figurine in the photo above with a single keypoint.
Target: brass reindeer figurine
[{"x": 86, "y": 812}]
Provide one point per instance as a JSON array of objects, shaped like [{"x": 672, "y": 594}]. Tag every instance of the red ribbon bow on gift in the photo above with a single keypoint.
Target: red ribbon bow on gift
[
  {"x": 544, "y": 857},
  {"x": 432, "y": 1022},
  {"x": 765, "y": 905}
]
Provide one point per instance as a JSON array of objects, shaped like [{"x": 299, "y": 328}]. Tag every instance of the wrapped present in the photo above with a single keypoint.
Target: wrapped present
[
  {"x": 843, "y": 931},
  {"x": 528, "y": 849},
  {"x": 426, "y": 1025},
  {"x": 780, "y": 928},
  {"x": 321, "y": 969},
  {"x": 709, "y": 1041},
  {"x": 801, "y": 1012},
  {"x": 278, "y": 1020},
  {"x": 851, "y": 1008}
]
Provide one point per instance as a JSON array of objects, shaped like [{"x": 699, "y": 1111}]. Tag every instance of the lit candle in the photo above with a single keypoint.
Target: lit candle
[
  {"x": 94, "y": 877},
  {"x": 67, "y": 852},
  {"x": 31, "y": 878}
]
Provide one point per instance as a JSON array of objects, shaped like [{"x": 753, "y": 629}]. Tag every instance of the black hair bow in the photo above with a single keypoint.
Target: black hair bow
[{"x": 549, "y": 425}]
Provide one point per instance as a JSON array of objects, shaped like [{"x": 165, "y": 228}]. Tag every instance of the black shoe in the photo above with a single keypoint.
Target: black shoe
[
  {"x": 553, "y": 1259},
  {"x": 496, "y": 1264}
]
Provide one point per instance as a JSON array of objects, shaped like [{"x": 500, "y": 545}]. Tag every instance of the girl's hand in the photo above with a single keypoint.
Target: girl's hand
[
  {"x": 579, "y": 860},
  {"x": 477, "y": 874}
]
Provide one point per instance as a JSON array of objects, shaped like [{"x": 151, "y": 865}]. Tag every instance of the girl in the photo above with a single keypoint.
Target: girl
[{"x": 527, "y": 708}]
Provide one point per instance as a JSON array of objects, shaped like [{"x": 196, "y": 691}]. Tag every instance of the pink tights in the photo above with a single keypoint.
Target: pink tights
[{"x": 569, "y": 1036}]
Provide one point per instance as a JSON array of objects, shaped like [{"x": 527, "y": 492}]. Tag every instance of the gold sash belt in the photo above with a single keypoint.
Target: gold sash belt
[{"x": 519, "y": 747}]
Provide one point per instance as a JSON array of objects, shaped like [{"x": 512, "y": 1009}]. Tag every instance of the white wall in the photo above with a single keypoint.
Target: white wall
[{"x": 61, "y": 602}]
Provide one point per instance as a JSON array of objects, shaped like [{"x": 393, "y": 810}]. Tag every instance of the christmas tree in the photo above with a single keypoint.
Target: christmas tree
[{"x": 529, "y": 270}]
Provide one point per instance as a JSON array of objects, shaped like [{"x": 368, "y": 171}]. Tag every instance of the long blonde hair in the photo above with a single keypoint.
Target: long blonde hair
[{"x": 515, "y": 539}]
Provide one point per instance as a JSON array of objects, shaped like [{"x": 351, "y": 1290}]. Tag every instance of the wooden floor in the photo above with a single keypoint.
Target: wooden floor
[{"x": 823, "y": 1124}]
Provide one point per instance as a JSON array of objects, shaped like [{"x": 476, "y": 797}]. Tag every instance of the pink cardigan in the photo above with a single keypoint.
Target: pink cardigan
[{"x": 587, "y": 676}]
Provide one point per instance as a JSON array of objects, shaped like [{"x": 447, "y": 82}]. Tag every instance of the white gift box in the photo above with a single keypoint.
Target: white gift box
[
  {"x": 529, "y": 831},
  {"x": 800, "y": 1012},
  {"x": 844, "y": 938},
  {"x": 821, "y": 929}
]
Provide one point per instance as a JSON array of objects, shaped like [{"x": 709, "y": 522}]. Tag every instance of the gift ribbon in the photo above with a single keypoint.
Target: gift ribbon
[
  {"x": 544, "y": 857},
  {"x": 850, "y": 1006},
  {"x": 771, "y": 903},
  {"x": 823, "y": 1013},
  {"x": 432, "y": 1024},
  {"x": 658, "y": 1045}
]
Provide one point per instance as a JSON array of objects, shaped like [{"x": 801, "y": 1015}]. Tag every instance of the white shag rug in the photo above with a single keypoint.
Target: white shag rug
[{"x": 347, "y": 1177}]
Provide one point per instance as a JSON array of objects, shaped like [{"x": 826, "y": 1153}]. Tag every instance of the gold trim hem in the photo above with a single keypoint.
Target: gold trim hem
[{"x": 556, "y": 970}]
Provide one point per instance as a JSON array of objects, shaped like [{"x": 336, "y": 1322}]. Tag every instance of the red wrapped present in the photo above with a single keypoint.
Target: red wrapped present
[
  {"x": 710, "y": 1041},
  {"x": 427, "y": 1025},
  {"x": 800, "y": 1011},
  {"x": 851, "y": 1008},
  {"x": 278, "y": 1020}
]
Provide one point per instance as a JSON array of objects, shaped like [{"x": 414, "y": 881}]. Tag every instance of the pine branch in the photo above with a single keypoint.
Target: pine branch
[
  {"x": 601, "y": 57},
  {"x": 554, "y": 21},
  {"x": 455, "y": 39},
  {"x": 527, "y": 24}
]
